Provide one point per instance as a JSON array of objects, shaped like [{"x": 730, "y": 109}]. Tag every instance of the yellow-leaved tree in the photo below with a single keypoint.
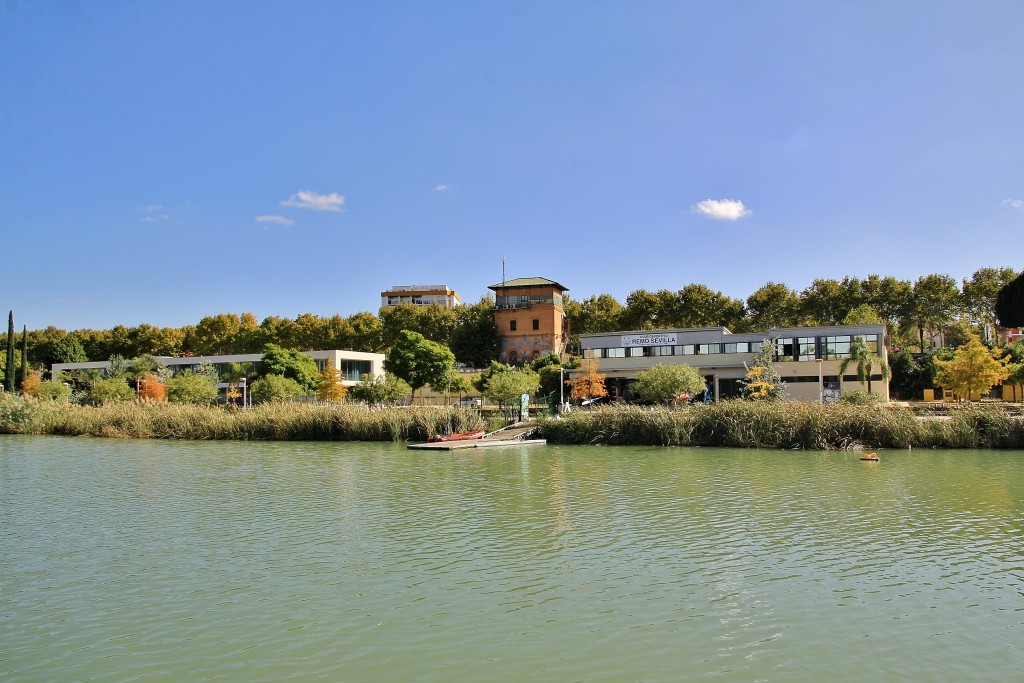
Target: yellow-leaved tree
[
  {"x": 588, "y": 383},
  {"x": 974, "y": 368},
  {"x": 329, "y": 387}
]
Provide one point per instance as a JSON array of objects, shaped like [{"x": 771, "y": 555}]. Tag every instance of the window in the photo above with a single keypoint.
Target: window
[
  {"x": 807, "y": 348},
  {"x": 512, "y": 325},
  {"x": 736, "y": 347},
  {"x": 705, "y": 349},
  {"x": 784, "y": 349},
  {"x": 685, "y": 350},
  {"x": 662, "y": 350},
  {"x": 618, "y": 352},
  {"x": 536, "y": 324},
  {"x": 837, "y": 347}
]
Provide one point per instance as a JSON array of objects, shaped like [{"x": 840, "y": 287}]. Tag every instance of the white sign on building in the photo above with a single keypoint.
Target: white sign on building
[{"x": 629, "y": 340}]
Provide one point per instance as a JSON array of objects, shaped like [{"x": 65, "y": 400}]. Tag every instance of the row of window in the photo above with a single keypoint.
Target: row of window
[
  {"x": 676, "y": 350},
  {"x": 786, "y": 348},
  {"x": 527, "y": 300},
  {"x": 420, "y": 300},
  {"x": 514, "y": 324},
  {"x": 827, "y": 348}
]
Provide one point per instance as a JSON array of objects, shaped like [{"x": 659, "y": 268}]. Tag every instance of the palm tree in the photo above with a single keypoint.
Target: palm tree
[{"x": 865, "y": 358}]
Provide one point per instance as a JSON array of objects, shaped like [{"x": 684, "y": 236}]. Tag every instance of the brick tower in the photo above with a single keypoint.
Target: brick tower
[{"x": 529, "y": 315}]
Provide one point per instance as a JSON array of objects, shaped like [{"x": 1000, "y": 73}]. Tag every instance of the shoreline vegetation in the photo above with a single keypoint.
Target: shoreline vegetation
[{"x": 735, "y": 424}]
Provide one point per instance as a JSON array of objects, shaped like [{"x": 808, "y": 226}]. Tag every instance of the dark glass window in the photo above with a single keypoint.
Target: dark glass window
[
  {"x": 512, "y": 325},
  {"x": 536, "y": 324}
]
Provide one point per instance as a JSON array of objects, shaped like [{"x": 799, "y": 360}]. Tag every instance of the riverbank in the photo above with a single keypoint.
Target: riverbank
[
  {"x": 735, "y": 424},
  {"x": 270, "y": 422},
  {"x": 810, "y": 426}
]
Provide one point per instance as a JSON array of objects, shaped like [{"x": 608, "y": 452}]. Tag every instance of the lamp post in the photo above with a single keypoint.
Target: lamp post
[
  {"x": 561, "y": 388},
  {"x": 821, "y": 382}
]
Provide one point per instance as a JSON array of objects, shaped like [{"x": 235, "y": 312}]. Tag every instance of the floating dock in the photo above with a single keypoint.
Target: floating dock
[{"x": 510, "y": 436}]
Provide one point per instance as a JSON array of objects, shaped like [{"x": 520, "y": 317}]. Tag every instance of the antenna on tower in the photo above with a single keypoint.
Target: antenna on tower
[{"x": 502, "y": 270}]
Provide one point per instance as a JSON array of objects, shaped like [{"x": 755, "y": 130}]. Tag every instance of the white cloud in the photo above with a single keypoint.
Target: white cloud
[
  {"x": 152, "y": 207},
  {"x": 156, "y": 219},
  {"x": 307, "y": 199},
  {"x": 1014, "y": 204},
  {"x": 721, "y": 209},
  {"x": 280, "y": 220},
  {"x": 442, "y": 187}
]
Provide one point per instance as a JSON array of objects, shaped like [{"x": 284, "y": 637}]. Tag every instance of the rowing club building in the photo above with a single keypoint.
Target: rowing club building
[{"x": 807, "y": 358}]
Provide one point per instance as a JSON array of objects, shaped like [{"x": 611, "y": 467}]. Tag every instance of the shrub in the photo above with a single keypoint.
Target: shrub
[
  {"x": 275, "y": 388},
  {"x": 107, "y": 391},
  {"x": 189, "y": 387},
  {"x": 859, "y": 398},
  {"x": 54, "y": 391}
]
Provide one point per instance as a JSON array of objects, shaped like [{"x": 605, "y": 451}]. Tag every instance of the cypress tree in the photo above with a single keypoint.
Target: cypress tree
[
  {"x": 9, "y": 368},
  {"x": 24, "y": 356}
]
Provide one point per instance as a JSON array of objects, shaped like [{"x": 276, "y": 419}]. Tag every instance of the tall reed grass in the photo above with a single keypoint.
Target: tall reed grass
[
  {"x": 739, "y": 424},
  {"x": 752, "y": 424},
  {"x": 274, "y": 421}
]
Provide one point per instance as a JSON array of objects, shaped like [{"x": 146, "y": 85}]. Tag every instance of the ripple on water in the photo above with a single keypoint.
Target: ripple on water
[{"x": 133, "y": 561}]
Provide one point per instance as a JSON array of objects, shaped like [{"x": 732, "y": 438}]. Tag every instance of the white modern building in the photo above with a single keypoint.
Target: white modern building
[
  {"x": 807, "y": 358},
  {"x": 353, "y": 366},
  {"x": 420, "y": 295}
]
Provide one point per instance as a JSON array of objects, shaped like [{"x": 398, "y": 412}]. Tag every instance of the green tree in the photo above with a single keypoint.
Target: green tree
[
  {"x": 475, "y": 340},
  {"x": 826, "y": 302},
  {"x": 215, "y": 335},
  {"x": 911, "y": 374},
  {"x": 366, "y": 332},
  {"x": 862, "y": 314},
  {"x": 506, "y": 388},
  {"x": 601, "y": 313},
  {"x": 980, "y": 294},
  {"x": 108, "y": 391},
  {"x": 290, "y": 363},
  {"x": 773, "y": 305},
  {"x": 665, "y": 383},
  {"x": 69, "y": 350},
  {"x": 974, "y": 368},
  {"x": 454, "y": 383},
  {"x": 275, "y": 388},
  {"x": 191, "y": 387},
  {"x": 936, "y": 300},
  {"x": 9, "y": 366},
  {"x": 23, "y": 375},
  {"x": 762, "y": 381},
  {"x": 418, "y": 361},
  {"x": 648, "y": 310},
  {"x": 381, "y": 390},
  {"x": 865, "y": 359},
  {"x": 699, "y": 306}
]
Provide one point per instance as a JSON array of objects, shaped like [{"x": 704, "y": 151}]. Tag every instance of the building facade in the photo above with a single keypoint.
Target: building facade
[
  {"x": 807, "y": 358},
  {"x": 530, "y": 318},
  {"x": 353, "y": 366},
  {"x": 420, "y": 295}
]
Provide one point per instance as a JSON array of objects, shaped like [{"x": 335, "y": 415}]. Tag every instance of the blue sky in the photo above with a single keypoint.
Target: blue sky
[{"x": 162, "y": 161}]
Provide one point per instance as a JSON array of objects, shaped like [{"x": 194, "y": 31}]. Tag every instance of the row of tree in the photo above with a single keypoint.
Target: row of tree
[{"x": 915, "y": 312}]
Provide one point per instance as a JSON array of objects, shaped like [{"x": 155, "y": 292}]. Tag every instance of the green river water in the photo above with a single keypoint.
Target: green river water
[{"x": 232, "y": 561}]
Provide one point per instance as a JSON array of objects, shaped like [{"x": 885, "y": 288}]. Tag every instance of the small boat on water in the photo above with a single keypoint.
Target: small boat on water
[
  {"x": 871, "y": 457},
  {"x": 465, "y": 436}
]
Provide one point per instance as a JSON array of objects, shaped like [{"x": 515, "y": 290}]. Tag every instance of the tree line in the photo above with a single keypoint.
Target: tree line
[{"x": 934, "y": 308}]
